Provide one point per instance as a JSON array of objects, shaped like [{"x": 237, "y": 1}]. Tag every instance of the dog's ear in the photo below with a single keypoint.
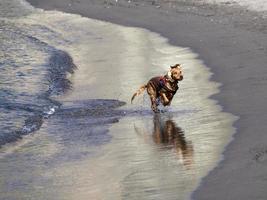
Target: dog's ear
[{"x": 175, "y": 66}]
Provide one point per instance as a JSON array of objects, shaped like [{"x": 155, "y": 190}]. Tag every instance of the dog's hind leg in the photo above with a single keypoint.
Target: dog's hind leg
[{"x": 154, "y": 106}]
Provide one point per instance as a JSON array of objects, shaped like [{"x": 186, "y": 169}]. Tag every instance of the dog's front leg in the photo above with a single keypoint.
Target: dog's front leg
[
  {"x": 170, "y": 96},
  {"x": 153, "y": 97},
  {"x": 164, "y": 100}
]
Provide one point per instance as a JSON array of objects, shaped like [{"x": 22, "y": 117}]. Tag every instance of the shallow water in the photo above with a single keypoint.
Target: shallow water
[{"x": 82, "y": 138}]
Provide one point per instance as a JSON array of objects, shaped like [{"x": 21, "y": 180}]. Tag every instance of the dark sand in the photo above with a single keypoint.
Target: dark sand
[{"x": 233, "y": 43}]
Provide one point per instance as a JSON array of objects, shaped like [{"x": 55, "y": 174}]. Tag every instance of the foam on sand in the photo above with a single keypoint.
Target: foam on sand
[{"x": 259, "y": 5}]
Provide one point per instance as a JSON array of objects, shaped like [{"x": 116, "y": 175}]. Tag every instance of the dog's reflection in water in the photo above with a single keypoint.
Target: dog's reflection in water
[{"x": 169, "y": 136}]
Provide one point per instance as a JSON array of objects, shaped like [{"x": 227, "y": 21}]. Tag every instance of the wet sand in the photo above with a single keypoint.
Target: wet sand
[{"x": 233, "y": 44}]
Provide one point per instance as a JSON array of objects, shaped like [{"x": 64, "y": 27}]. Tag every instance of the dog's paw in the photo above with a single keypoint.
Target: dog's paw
[
  {"x": 158, "y": 101},
  {"x": 155, "y": 110}
]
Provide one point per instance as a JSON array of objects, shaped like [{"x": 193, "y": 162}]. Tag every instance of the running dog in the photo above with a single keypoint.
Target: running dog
[{"x": 162, "y": 88}]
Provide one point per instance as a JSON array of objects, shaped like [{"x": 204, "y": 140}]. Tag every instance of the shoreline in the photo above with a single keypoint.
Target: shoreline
[{"x": 229, "y": 50}]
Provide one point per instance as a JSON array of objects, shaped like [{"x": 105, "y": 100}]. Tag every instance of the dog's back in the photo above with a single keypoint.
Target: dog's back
[{"x": 157, "y": 82}]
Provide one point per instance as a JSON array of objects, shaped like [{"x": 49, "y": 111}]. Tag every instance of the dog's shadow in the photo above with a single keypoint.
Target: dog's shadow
[{"x": 168, "y": 135}]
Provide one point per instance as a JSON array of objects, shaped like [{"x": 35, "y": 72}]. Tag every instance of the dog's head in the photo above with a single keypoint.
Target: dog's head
[{"x": 176, "y": 72}]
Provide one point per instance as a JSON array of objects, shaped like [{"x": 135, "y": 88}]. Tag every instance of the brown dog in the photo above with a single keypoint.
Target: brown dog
[{"x": 162, "y": 88}]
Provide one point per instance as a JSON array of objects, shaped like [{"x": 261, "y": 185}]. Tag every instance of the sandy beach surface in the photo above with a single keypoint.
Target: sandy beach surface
[{"x": 232, "y": 42}]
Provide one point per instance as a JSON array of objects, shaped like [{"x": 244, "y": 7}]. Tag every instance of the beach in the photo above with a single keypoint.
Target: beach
[{"x": 227, "y": 39}]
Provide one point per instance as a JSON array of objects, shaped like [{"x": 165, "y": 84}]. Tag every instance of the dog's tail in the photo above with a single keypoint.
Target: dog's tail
[{"x": 138, "y": 92}]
